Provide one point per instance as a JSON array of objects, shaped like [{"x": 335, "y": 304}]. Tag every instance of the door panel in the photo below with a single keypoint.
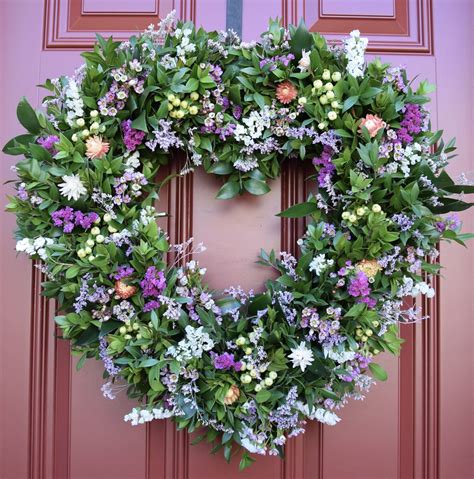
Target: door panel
[{"x": 55, "y": 422}]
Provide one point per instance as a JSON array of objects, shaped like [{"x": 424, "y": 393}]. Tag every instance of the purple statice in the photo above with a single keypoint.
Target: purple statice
[
  {"x": 329, "y": 230},
  {"x": 81, "y": 299},
  {"x": 451, "y": 222},
  {"x": 223, "y": 132},
  {"x": 106, "y": 359},
  {"x": 67, "y": 218},
  {"x": 359, "y": 288},
  {"x": 325, "y": 331},
  {"x": 165, "y": 137},
  {"x": 359, "y": 285},
  {"x": 151, "y": 305},
  {"x": 327, "y": 167},
  {"x": 327, "y": 138},
  {"x": 237, "y": 111},
  {"x": 153, "y": 285},
  {"x": 355, "y": 367},
  {"x": 289, "y": 262},
  {"x": 274, "y": 61},
  {"x": 123, "y": 271},
  {"x": 21, "y": 192},
  {"x": 99, "y": 295},
  {"x": 411, "y": 124},
  {"x": 131, "y": 137},
  {"x": 285, "y": 300},
  {"x": 48, "y": 143},
  {"x": 215, "y": 72},
  {"x": 225, "y": 361},
  {"x": 115, "y": 99},
  {"x": 128, "y": 187},
  {"x": 286, "y": 416},
  {"x": 403, "y": 221},
  {"x": 394, "y": 75}
]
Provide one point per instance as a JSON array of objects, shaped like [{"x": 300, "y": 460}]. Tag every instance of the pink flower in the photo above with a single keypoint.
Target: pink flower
[
  {"x": 373, "y": 124},
  {"x": 96, "y": 147}
]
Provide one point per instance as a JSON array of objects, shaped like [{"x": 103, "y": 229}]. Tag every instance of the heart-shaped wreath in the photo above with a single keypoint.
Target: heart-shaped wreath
[{"x": 251, "y": 368}]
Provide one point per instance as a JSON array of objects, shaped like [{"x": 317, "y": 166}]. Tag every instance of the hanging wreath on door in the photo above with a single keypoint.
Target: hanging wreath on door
[{"x": 250, "y": 367}]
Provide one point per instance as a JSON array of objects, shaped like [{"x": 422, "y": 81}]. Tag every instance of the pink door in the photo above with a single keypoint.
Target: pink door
[{"x": 55, "y": 422}]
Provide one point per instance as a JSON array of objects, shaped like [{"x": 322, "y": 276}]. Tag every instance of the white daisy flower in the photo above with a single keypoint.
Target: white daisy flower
[
  {"x": 72, "y": 187},
  {"x": 301, "y": 356}
]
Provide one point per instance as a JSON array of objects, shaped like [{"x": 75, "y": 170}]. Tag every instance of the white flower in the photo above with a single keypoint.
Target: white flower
[
  {"x": 305, "y": 61},
  {"x": 320, "y": 263},
  {"x": 339, "y": 356},
  {"x": 301, "y": 356},
  {"x": 31, "y": 247},
  {"x": 354, "y": 48},
  {"x": 326, "y": 417},
  {"x": 72, "y": 187},
  {"x": 409, "y": 288}
]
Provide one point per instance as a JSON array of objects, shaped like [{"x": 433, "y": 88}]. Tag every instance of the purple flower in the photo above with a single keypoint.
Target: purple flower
[
  {"x": 67, "y": 218},
  {"x": 451, "y": 222},
  {"x": 359, "y": 285},
  {"x": 225, "y": 361},
  {"x": 123, "y": 271},
  {"x": 403, "y": 221},
  {"x": 106, "y": 359},
  {"x": 355, "y": 367},
  {"x": 237, "y": 111},
  {"x": 151, "y": 305},
  {"x": 153, "y": 283},
  {"x": 131, "y": 137},
  {"x": 328, "y": 167},
  {"x": 411, "y": 124},
  {"x": 48, "y": 143}
]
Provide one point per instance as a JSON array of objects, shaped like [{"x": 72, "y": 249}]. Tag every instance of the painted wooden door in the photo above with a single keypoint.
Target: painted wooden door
[{"x": 55, "y": 423}]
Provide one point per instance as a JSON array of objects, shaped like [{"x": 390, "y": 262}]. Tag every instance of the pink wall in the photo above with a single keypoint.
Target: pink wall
[{"x": 54, "y": 422}]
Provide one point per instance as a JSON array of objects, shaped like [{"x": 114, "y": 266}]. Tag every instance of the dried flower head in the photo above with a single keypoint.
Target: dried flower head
[
  {"x": 96, "y": 147},
  {"x": 286, "y": 92},
  {"x": 232, "y": 395},
  {"x": 124, "y": 290},
  {"x": 370, "y": 267}
]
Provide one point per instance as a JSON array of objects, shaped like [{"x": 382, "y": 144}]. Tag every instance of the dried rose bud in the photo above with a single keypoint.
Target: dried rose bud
[
  {"x": 123, "y": 290},
  {"x": 369, "y": 267},
  {"x": 232, "y": 395}
]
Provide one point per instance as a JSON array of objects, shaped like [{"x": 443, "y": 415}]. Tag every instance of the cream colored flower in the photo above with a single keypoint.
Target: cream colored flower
[
  {"x": 96, "y": 147},
  {"x": 72, "y": 188}
]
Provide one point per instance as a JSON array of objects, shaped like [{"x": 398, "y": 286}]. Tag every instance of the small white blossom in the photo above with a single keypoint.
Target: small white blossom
[
  {"x": 320, "y": 263},
  {"x": 354, "y": 48}
]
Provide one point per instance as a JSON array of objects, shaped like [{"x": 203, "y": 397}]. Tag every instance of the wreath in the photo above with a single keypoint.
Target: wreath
[{"x": 251, "y": 368}]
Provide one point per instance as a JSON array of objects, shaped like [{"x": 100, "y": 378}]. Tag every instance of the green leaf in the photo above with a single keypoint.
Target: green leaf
[
  {"x": 88, "y": 336},
  {"x": 349, "y": 103},
  {"x": 221, "y": 168},
  {"x": 18, "y": 145},
  {"x": 300, "y": 210},
  {"x": 27, "y": 116},
  {"x": 378, "y": 372},
  {"x": 140, "y": 123},
  {"x": 109, "y": 326},
  {"x": 228, "y": 191},
  {"x": 154, "y": 378},
  {"x": 301, "y": 40},
  {"x": 256, "y": 187},
  {"x": 263, "y": 396}
]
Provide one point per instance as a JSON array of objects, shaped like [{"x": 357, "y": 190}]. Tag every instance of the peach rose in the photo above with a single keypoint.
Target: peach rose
[{"x": 373, "y": 124}]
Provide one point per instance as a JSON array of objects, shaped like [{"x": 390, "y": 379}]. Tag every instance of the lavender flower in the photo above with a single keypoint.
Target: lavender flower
[
  {"x": 165, "y": 137},
  {"x": 131, "y": 137},
  {"x": 327, "y": 167},
  {"x": 67, "y": 218},
  {"x": 48, "y": 143},
  {"x": 123, "y": 272},
  {"x": 225, "y": 361},
  {"x": 106, "y": 359}
]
